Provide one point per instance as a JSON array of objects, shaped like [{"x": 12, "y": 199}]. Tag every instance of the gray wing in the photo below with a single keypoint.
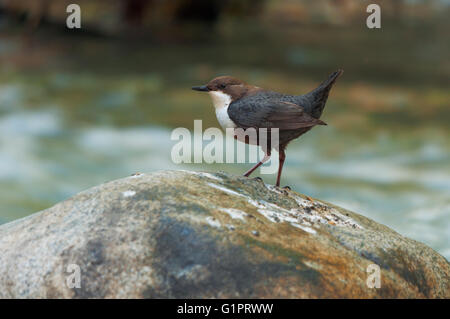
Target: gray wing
[{"x": 266, "y": 113}]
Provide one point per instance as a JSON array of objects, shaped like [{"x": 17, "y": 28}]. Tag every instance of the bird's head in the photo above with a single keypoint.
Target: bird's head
[{"x": 224, "y": 90}]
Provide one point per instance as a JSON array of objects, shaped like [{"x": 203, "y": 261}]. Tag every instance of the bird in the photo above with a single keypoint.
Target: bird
[{"x": 239, "y": 105}]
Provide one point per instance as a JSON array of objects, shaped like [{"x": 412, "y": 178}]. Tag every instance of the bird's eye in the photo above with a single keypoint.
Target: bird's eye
[{"x": 222, "y": 86}]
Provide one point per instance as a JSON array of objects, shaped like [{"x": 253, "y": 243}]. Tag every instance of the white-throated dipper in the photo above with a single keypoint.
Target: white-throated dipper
[{"x": 240, "y": 105}]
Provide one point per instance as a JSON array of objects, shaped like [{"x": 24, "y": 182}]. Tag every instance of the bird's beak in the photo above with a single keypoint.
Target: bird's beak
[{"x": 202, "y": 88}]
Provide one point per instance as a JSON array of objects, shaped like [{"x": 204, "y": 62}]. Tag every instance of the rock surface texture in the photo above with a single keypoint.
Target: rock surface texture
[{"x": 180, "y": 234}]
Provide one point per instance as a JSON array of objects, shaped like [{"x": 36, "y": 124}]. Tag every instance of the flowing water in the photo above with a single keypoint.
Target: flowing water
[{"x": 75, "y": 113}]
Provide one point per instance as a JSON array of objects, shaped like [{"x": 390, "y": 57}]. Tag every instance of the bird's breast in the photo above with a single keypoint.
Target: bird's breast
[
  {"x": 223, "y": 118},
  {"x": 221, "y": 101}
]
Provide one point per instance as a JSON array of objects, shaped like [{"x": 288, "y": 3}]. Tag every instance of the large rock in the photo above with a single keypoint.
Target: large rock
[{"x": 188, "y": 235}]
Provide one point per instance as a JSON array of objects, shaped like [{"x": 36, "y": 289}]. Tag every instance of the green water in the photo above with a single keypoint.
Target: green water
[{"x": 77, "y": 111}]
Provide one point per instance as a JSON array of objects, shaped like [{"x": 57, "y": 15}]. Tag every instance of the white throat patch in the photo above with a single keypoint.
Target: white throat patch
[{"x": 221, "y": 101}]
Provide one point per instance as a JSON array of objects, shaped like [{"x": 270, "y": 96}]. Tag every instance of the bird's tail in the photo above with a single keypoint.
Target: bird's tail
[
  {"x": 331, "y": 79},
  {"x": 318, "y": 97}
]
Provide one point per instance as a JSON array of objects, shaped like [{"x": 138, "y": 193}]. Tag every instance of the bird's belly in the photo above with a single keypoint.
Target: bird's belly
[
  {"x": 224, "y": 119},
  {"x": 246, "y": 138}
]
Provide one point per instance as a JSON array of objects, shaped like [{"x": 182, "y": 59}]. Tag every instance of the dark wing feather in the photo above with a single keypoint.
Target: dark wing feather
[{"x": 267, "y": 113}]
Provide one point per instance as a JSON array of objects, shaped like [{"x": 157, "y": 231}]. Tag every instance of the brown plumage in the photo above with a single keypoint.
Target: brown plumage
[{"x": 244, "y": 106}]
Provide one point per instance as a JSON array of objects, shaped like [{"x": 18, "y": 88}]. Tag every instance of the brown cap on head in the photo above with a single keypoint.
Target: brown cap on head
[
  {"x": 229, "y": 85},
  {"x": 219, "y": 83}
]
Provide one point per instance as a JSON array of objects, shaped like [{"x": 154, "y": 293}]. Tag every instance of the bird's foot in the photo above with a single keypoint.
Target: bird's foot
[{"x": 309, "y": 198}]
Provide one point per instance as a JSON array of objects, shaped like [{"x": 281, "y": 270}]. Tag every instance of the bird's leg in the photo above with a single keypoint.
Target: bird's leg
[
  {"x": 265, "y": 159},
  {"x": 282, "y": 157}
]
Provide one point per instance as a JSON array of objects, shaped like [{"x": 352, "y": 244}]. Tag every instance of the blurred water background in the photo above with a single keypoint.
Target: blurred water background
[{"x": 79, "y": 108}]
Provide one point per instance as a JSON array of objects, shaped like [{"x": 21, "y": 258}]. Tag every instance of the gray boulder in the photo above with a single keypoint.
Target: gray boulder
[{"x": 180, "y": 234}]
